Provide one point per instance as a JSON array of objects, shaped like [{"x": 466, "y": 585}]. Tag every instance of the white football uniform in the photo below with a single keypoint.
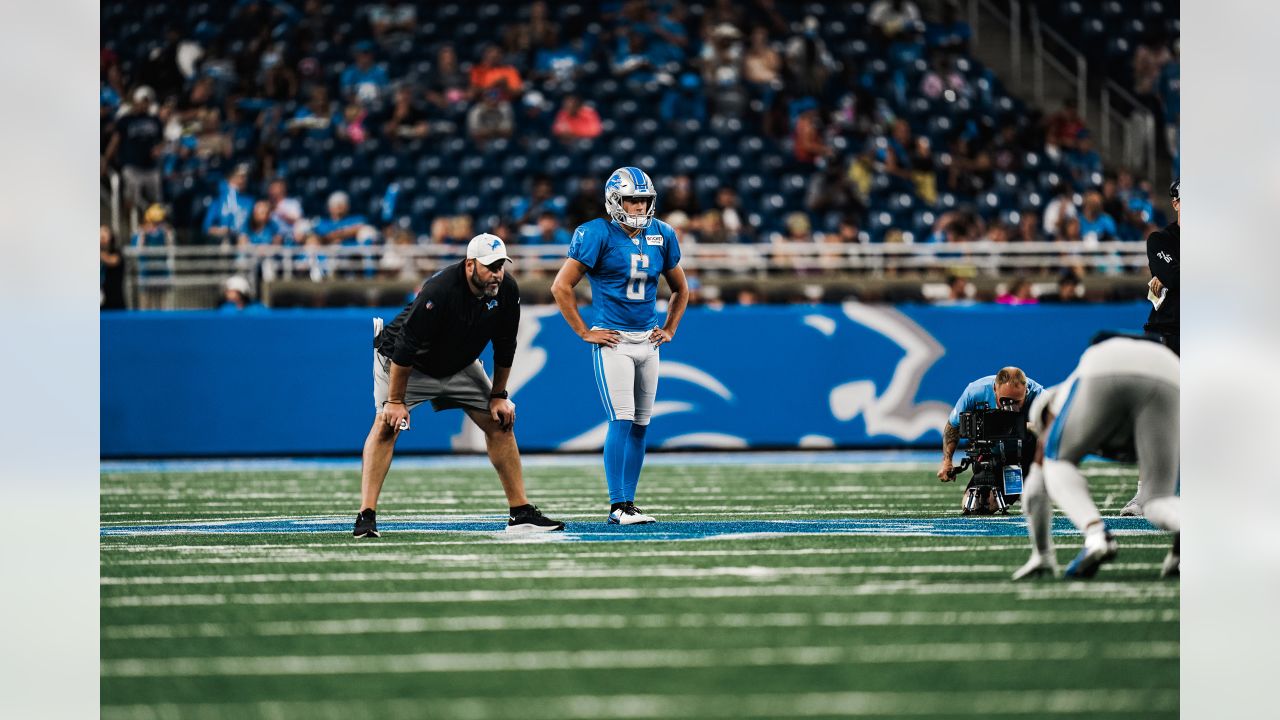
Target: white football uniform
[{"x": 1121, "y": 401}]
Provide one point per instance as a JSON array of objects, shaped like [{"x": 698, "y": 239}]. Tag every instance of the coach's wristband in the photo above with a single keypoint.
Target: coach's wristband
[
  {"x": 392, "y": 402},
  {"x": 499, "y": 395}
]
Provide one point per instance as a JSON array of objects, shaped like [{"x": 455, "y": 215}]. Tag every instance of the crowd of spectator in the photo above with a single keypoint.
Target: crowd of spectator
[
  {"x": 1135, "y": 44},
  {"x": 314, "y": 124}
]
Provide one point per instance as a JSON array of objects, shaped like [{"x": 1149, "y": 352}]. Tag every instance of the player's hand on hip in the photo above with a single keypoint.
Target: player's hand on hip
[
  {"x": 944, "y": 471},
  {"x": 659, "y": 336},
  {"x": 503, "y": 412},
  {"x": 396, "y": 415},
  {"x": 610, "y": 338}
]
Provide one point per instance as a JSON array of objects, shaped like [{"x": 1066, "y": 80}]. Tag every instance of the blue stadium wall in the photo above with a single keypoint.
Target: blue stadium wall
[{"x": 298, "y": 382}]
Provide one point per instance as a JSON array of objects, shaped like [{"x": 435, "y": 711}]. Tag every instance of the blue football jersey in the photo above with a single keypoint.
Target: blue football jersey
[{"x": 624, "y": 271}]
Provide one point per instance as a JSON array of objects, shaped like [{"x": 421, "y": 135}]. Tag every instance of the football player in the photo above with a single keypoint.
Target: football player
[
  {"x": 1120, "y": 401},
  {"x": 622, "y": 257}
]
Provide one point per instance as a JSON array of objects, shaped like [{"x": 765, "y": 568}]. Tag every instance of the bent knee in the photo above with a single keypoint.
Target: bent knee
[{"x": 381, "y": 431}]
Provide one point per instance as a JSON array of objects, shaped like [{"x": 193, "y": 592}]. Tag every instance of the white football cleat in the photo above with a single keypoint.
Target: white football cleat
[
  {"x": 629, "y": 514},
  {"x": 1173, "y": 561},
  {"x": 1132, "y": 508},
  {"x": 1036, "y": 567},
  {"x": 1098, "y": 549}
]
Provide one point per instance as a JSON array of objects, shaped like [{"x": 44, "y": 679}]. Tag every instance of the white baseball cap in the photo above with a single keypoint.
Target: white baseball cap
[{"x": 487, "y": 248}]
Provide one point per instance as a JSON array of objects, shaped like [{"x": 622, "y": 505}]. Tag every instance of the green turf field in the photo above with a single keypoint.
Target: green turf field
[{"x": 417, "y": 624}]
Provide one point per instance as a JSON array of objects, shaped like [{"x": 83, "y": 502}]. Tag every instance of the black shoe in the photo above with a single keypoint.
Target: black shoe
[
  {"x": 530, "y": 519},
  {"x": 366, "y": 524}
]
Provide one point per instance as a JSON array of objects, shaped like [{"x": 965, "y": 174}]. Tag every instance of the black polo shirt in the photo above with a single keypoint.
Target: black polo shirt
[
  {"x": 1162, "y": 258},
  {"x": 446, "y": 327}
]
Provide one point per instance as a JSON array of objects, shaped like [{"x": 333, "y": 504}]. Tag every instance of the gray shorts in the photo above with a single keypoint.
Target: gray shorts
[
  {"x": 467, "y": 388},
  {"x": 1116, "y": 413}
]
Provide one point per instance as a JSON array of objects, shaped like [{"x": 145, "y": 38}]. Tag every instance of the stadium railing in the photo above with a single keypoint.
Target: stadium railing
[{"x": 199, "y": 272}]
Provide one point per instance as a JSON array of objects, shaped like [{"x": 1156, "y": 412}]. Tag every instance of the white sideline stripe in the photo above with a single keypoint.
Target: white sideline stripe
[
  {"x": 288, "y": 555},
  {"x": 502, "y": 623},
  {"x": 1113, "y": 591},
  {"x": 471, "y": 516},
  {"x": 544, "y": 660},
  {"x": 272, "y": 553},
  {"x": 986, "y": 703},
  {"x": 752, "y": 572},
  {"x": 562, "y": 570}
]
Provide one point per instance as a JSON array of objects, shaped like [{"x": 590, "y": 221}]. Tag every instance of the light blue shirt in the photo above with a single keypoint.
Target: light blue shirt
[
  {"x": 624, "y": 271},
  {"x": 984, "y": 390}
]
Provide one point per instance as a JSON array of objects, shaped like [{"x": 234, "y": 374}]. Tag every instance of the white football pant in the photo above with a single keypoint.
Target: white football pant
[{"x": 627, "y": 376}]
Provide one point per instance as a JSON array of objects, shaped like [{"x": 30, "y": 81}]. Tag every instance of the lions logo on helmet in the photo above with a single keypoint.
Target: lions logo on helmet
[{"x": 629, "y": 183}]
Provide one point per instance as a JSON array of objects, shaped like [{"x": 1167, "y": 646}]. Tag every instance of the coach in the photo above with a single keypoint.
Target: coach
[
  {"x": 1162, "y": 257},
  {"x": 431, "y": 352}
]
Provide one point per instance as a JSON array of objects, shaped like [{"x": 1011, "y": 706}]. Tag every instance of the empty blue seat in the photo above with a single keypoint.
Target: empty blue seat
[
  {"x": 729, "y": 165},
  {"x": 707, "y": 146}
]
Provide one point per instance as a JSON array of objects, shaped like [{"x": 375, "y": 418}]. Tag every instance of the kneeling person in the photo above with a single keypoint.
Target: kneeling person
[
  {"x": 1009, "y": 389},
  {"x": 431, "y": 352}
]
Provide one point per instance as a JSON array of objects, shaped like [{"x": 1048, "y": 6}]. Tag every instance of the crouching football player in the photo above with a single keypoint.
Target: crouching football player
[{"x": 1121, "y": 400}]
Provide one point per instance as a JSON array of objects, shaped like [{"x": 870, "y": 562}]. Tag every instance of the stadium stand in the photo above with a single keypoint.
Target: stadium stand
[{"x": 780, "y": 123}]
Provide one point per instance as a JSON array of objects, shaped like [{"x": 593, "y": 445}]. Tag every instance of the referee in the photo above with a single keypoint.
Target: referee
[
  {"x": 1162, "y": 257},
  {"x": 430, "y": 352}
]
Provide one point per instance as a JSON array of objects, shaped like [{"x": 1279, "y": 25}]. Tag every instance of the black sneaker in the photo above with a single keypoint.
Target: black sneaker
[
  {"x": 366, "y": 524},
  {"x": 530, "y": 519}
]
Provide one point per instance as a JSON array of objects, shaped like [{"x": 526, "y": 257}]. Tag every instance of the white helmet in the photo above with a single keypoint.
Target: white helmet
[{"x": 629, "y": 182}]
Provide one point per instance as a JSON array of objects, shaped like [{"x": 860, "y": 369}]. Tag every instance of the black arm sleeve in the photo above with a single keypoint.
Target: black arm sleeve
[
  {"x": 419, "y": 327},
  {"x": 1158, "y": 244},
  {"x": 504, "y": 339}
]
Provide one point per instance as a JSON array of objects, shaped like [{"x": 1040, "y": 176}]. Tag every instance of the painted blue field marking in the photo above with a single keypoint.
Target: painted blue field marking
[{"x": 676, "y": 530}]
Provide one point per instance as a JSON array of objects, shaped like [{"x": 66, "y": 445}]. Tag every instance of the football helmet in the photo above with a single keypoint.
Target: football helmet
[{"x": 629, "y": 183}]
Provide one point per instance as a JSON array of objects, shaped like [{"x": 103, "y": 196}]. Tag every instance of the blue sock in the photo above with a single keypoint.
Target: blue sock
[
  {"x": 633, "y": 461},
  {"x": 615, "y": 446}
]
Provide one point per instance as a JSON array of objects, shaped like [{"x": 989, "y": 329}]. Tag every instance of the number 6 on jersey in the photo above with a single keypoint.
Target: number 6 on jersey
[{"x": 635, "y": 288}]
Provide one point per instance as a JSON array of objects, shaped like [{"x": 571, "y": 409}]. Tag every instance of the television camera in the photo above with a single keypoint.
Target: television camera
[{"x": 996, "y": 437}]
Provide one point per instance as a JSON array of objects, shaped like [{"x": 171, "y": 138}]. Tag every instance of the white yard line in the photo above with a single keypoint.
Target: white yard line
[
  {"x": 571, "y": 621},
  {"x": 358, "y": 551},
  {"x": 570, "y": 572},
  {"x": 554, "y": 660},
  {"x": 756, "y": 572},
  {"x": 1114, "y": 591},
  {"x": 393, "y": 554},
  {"x": 985, "y": 703}
]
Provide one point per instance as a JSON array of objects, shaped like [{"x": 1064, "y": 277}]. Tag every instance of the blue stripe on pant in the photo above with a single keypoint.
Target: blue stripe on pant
[
  {"x": 602, "y": 384},
  {"x": 1055, "y": 434}
]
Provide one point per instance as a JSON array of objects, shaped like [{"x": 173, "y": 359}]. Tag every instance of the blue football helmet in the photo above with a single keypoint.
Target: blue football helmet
[{"x": 630, "y": 183}]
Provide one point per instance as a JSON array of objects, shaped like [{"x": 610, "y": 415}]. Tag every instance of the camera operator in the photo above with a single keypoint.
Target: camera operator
[
  {"x": 1162, "y": 258},
  {"x": 1009, "y": 389}
]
